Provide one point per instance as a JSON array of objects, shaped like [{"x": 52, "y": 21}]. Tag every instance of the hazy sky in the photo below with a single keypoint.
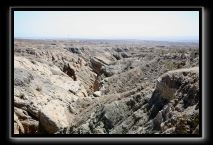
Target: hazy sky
[{"x": 107, "y": 24}]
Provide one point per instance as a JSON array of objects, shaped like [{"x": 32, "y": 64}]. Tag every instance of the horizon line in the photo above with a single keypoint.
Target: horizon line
[{"x": 85, "y": 38}]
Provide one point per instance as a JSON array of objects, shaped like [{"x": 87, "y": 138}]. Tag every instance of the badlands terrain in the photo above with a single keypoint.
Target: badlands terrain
[{"x": 105, "y": 87}]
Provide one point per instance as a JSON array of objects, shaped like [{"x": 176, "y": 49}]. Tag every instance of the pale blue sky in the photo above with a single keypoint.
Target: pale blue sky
[{"x": 162, "y": 25}]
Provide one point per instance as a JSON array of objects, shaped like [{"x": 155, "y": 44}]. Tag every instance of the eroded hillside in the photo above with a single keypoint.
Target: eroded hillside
[{"x": 105, "y": 87}]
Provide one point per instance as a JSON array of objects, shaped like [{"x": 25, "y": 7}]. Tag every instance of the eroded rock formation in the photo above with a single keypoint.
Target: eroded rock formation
[{"x": 90, "y": 87}]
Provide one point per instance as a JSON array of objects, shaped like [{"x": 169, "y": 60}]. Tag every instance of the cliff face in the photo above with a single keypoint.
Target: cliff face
[{"x": 91, "y": 87}]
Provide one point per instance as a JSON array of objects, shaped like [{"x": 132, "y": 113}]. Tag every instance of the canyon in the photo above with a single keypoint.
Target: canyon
[{"x": 106, "y": 87}]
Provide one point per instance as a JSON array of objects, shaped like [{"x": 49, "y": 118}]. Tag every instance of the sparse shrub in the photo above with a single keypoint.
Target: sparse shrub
[
  {"x": 170, "y": 65},
  {"x": 186, "y": 125},
  {"x": 194, "y": 120},
  {"x": 182, "y": 126},
  {"x": 194, "y": 53},
  {"x": 166, "y": 92},
  {"x": 106, "y": 90}
]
